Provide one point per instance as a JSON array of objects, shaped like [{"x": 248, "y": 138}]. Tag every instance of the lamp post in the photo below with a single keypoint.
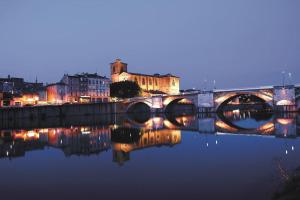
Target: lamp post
[
  {"x": 290, "y": 78},
  {"x": 283, "y": 77},
  {"x": 205, "y": 84}
]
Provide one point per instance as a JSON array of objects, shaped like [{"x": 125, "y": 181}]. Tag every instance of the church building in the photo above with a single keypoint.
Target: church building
[{"x": 152, "y": 84}]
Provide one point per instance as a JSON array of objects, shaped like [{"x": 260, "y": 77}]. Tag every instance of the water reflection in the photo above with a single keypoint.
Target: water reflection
[
  {"x": 125, "y": 140},
  {"x": 251, "y": 151},
  {"x": 139, "y": 132}
]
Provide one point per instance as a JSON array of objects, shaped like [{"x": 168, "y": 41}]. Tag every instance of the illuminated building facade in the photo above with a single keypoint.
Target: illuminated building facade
[
  {"x": 57, "y": 93},
  {"x": 152, "y": 84},
  {"x": 18, "y": 86},
  {"x": 87, "y": 87},
  {"x": 26, "y": 99}
]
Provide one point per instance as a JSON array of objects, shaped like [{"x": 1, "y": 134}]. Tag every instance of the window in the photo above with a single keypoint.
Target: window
[
  {"x": 143, "y": 81},
  {"x": 135, "y": 80},
  {"x": 173, "y": 82},
  {"x": 155, "y": 82},
  {"x": 150, "y": 82}
]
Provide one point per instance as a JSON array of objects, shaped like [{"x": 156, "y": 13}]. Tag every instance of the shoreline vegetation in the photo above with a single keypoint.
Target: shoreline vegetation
[{"x": 290, "y": 190}]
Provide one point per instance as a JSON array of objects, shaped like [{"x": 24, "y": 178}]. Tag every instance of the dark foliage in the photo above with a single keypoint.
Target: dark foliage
[
  {"x": 125, "y": 135},
  {"x": 125, "y": 89}
]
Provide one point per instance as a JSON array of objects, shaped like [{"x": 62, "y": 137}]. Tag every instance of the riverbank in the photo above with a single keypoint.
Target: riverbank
[{"x": 14, "y": 116}]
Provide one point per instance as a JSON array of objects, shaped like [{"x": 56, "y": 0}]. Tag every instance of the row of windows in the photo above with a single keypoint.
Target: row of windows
[
  {"x": 150, "y": 81},
  {"x": 97, "y": 82},
  {"x": 144, "y": 81}
]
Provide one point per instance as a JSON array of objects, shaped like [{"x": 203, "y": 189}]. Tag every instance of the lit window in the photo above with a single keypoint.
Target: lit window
[{"x": 143, "y": 81}]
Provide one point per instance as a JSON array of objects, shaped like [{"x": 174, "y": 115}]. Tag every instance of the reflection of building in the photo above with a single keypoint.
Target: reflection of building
[
  {"x": 87, "y": 87},
  {"x": 16, "y": 143},
  {"x": 74, "y": 140},
  {"x": 156, "y": 83},
  {"x": 80, "y": 140},
  {"x": 147, "y": 139},
  {"x": 285, "y": 127}
]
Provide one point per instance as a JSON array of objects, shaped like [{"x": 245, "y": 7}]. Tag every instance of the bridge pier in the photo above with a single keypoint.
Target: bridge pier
[
  {"x": 206, "y": 109},
  {"x": 286, "y": 108}
]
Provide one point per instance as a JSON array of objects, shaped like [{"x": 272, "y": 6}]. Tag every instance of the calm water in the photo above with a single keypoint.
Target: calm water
[{"x": 235, "y": 156}]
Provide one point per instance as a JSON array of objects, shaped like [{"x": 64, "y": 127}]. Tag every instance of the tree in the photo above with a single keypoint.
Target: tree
[{"x": 125, "y": 89}]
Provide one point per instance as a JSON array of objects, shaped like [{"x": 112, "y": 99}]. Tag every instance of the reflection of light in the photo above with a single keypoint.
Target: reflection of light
[
  {"x": 224, "y": 126},
  {"x": 168, "y": 124},
  {"x": 267, "y": 128},
  {"x": 284, "y": 103},
  {"x": 216, "y": 141},
  {"x": 157, "y": 120},
  {"x": 84, "y": 130},
  {"x": 31, "y": 134},
  {"x": 285, "y": 121},
  {"x": 236, "y": 111},
  {"x": 207, "y": 144},
  {"x": 43, "y": 130},
  {"x": 154, "y": 122},
  {"x": 286, "y": 151},
  {"x": 292, "y": 148}
]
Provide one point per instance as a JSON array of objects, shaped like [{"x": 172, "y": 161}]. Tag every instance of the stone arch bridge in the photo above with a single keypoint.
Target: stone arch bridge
[{"x": 285, "y": 98}]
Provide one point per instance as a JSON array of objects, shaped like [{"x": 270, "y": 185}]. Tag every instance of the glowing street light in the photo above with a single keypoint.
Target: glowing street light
[
  {"x": 290, "y": 77},
  {"x": 283, "y": 77}
]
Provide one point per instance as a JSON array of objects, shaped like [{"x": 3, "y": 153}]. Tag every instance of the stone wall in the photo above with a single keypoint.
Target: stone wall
[{"x": 11, "y": 117}]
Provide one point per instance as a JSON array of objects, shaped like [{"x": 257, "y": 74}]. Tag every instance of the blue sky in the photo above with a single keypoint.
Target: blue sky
[{"x": 238, "y": 43}]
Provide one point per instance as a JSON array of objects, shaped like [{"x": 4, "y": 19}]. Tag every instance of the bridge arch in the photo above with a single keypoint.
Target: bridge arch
[
  {"x": 224, "y": 98},
  {"x": 224, "y": 124},
  {"x": 144, "y": 106},
  {"x": 171, "y": 101}
]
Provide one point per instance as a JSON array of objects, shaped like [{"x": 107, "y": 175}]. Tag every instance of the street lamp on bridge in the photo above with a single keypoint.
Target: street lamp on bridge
[{"x": 283, "y": 77}]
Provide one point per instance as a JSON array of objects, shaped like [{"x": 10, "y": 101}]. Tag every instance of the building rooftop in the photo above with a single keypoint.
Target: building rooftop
[
  {"x": 86, "y": 75},
  {"x": 118, "y": 60},
  {"x": 156, "y": 75},
  {"x": 58, "y": 83}
]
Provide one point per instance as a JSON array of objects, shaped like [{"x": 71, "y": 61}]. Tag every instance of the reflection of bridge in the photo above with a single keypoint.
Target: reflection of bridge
[
  {"x": 284, "y": 98},
  {"x": 131, "y": 135},
  {"x": 279, "y": 127}
]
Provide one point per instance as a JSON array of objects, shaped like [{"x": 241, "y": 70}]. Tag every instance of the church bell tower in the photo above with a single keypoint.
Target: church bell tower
[{"x": 118, "y": 67}]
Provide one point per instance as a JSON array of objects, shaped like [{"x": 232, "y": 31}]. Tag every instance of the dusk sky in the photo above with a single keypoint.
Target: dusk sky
[{"x": 238, "y": 43}]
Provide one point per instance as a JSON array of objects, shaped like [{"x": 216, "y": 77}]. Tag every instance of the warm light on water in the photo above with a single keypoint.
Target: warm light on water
[{"x": 161, "y": 154}]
